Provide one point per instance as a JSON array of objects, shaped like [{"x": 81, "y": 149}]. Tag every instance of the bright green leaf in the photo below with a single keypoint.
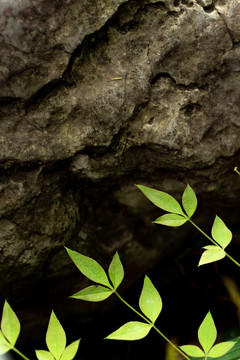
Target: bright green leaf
[
  {"x": 115, "y": 271},
  {"x": 170, "y": 220},
  {"x": 150, "y": 301},
  {"x": 70, "y": 351},
  {"x": 10, "y": 324},
  {"x": 192, "y": 350},
  {"x": 89, "y": 267},
  {"x": 93, "y": 293},
  {"x": 221, "y": 349},
  {"x": 221, "y": 233},
  {"x": 207, "y": 333},
  {"x": 133, "y": 330},
  {"x": 189, "y": 201},
  {"x": 55, "y": 337},
  {"x": 44, "y": 355},
  {"x": 213, "y": 253},
  {"x": 161, "y": 199},
  {"x": 4, "y": 345}
]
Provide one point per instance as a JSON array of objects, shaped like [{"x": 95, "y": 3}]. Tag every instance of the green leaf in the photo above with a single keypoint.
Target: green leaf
[
  {"x": 221, "y": 233},
  {"x": 55, "y": 337},
  {"x": 192, "y": 350},
  {"x": 207, "y": 333},
  {"x": 93, "y": 293},
  {"x": 10, "y": 324},
  {"x": 213, "y": 253},
  {"x": 189, "y": 201},
  {"x": 115, "y": 271},
  {"x": 44, "y": 355},
  {"x": 170, "y": 220},
  {"x": 70, "y": 351},
  {"x": 233, "y": 353},
  {"x": 133, "y": 330},
  {"x": 221, "y": 349},
  {"x": 4, "y": 345},
  {"x": 150, "y": 301},
  {"x": 89, "y": 267},
  {"x": 162, "y": 200}
]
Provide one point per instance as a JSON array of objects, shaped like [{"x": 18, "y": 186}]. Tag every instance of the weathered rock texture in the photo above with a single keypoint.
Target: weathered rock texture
[{"x": 73, "y": 143}]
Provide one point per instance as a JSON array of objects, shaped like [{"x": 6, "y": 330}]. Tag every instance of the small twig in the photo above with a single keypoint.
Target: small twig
[{"x": 115, "y": 78}]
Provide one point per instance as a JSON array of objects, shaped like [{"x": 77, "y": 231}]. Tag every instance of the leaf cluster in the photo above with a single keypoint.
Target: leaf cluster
[{"x": 179, "y": 214}]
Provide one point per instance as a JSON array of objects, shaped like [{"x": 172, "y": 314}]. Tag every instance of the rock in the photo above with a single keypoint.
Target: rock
[
  {"x": 38, "y": 39},
  {"x": 96, "y": 98}
]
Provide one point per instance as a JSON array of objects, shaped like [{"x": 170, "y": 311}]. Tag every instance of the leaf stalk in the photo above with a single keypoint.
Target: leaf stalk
[
  {"x": 154, "y": 327},
  {"x": 214, "y": 242}
]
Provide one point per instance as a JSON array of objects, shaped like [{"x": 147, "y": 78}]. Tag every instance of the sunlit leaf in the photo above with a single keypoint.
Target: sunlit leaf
[
  {"x": 233, "y": 353},
  {"x": 221, "y": 233},
  {"x": 55, "y": 337},
  {"x": 10, "y": 324},
  {"x": 70, "y": 351},
  {"x": 207, "y": 333},
  {"x": 89, "y": 267},
  {"x": 213, "y": 253},
  {"x": 221, "y": 349},
  {"x": 4, "y": 345},
  {"x": 150, "y": 301},
  {"x": 192, "y": 350},
  {"x": 133, "y": 330},
  {"x": 161, "y": 199},
  {"x": 115, "y": 271},
  {"x": 93, "y": 293},
  {"x": 189, "y": 201},
  {"x": 44, "y": 355},
  {"x": 173, "y": 220}
]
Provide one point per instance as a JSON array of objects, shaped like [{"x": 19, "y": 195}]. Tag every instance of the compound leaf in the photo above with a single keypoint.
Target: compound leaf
[
  {"x": 192, "y": 350},
  {"x": 150, "y": 301},
  {"x": 93, "y": 293},
  {"x": 44, "y": 355},
  {"x": 162, "y": 199},
  {"x": 10, "y": 324},
  {"x": 70, "y": 351},
  {"x": 221, "y": 233},
  {"x": 189, "y": 201},
  {"x": 207, "y": 333},
  {"x": 116, "y": 271},
  {"x": 55, "y": 337},
  {"x": 133, "y": 330},
  {"x": 4, "y": 345},
  {"x": 89, "y": 267},
  {"x": 213, "y": 253},
  {"x": 221, "y": 349},
  {"x": 173, "y": 220}
]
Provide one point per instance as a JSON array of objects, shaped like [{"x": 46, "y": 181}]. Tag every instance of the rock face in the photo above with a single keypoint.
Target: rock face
[{"x": 74, "y": 140}]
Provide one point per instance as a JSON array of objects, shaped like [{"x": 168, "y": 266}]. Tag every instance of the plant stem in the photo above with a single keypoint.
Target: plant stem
[
  {"x": 213, "y": 241},
  {"x": 20, "y": 354},
  {"x": 155, "y": 328},
  {"x": 236, "y": 170}
]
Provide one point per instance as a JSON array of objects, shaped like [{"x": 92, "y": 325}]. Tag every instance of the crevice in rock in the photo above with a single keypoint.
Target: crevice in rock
[
  {"x": 42, "y": 93},
  {"x": 10, "y": 100},
  {"x": 162, "y": 75},
  {"x": 67, "y": 78},
  {"x": 188, "y": 3},
  {"x": 209, "y": 8},
  {"x": 92, "y": 41},
  {"x": 203, "y": 86}
]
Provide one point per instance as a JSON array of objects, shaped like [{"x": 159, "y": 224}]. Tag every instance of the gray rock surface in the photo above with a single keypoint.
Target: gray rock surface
[{"x": 73, "y": 141}]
